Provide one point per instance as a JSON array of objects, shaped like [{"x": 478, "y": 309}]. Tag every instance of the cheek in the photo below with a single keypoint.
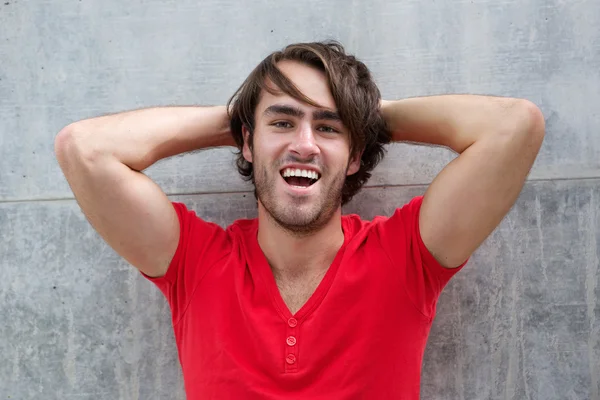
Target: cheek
[
  {"x": 337, "y": 156},
  {"x": 268, "y": 149}
]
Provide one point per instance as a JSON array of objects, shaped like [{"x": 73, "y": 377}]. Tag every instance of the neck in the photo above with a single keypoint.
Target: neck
[{"x": 293, "y": 255}]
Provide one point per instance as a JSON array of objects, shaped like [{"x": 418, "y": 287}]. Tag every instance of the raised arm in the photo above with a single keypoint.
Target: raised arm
[
  {"x": 102, "y": 159},
  {"x": 498, "y": 140}
]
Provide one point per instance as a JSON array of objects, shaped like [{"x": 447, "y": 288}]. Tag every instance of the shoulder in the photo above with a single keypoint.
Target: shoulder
[
  {"x": 403, "y": 216},
  {"x": 211, "y": 237},
  {"x": 243, "y": 227},
  {"x": 189, "y": 214}
]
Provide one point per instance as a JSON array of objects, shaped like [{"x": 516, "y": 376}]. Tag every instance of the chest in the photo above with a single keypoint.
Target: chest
[
  {"x": 295, "y": 292},
  {"x": 359, "y": 335}
]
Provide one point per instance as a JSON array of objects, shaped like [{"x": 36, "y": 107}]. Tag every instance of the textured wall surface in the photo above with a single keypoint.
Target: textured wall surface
[{"x": 521, "y": 322}]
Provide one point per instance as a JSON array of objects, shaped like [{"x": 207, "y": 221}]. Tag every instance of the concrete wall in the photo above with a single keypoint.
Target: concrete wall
[{"x": 521, "y": 322}]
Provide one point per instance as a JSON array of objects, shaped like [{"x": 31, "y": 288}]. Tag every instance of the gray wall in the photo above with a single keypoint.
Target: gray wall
[{"x": 521, "y": 322}]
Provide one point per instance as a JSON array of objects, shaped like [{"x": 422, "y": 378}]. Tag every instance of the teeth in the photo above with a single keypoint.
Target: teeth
[{"x": 300, "y": 172}]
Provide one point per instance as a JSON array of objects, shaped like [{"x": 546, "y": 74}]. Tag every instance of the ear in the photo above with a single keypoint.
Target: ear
[
  {"x": 354, "y": 165},
  {"x": 246, "y": 151}
]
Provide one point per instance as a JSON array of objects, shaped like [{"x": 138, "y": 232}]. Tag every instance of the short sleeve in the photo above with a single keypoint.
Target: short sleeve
[
  {"x": 201, "y": 245},
  {"x": 423, "y": 276}
]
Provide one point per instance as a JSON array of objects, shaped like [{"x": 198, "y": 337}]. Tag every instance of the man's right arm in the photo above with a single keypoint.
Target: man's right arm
[{"x": 102, "y": 159}]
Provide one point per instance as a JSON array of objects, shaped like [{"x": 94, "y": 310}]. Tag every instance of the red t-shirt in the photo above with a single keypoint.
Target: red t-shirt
[{"x": 361, "y": 335}]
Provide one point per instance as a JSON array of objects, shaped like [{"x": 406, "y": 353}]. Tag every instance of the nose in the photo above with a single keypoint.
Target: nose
[{"x": 304, "y": 143}]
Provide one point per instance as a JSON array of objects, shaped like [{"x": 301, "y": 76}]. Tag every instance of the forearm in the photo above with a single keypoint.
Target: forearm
[
  {"x": 140, "y": 138},
  {"x": 455, "y": 121}
]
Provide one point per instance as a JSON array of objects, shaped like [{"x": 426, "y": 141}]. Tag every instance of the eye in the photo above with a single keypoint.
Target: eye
[
  {"x": 281, "y": 124},
  {"x": 328, "y": 129}
]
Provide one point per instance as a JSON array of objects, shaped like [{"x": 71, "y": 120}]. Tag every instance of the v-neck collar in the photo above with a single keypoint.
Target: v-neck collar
[{"x": 259, "y": 264}]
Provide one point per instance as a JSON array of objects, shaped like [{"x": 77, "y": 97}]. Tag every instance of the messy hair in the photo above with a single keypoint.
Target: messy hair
[{"x": 355, "y": 94}]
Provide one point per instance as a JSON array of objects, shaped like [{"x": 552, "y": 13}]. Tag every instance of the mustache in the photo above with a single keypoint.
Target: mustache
[{"x": 294, "y": 160}]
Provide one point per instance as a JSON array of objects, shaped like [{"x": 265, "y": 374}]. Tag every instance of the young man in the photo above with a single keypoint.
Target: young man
[{"x": 303, "y": 302}]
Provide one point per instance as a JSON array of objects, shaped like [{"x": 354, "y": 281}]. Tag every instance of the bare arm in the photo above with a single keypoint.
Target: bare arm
[
  {"x": 102, "y": 159},
  {"x": 498, "y": 140}
]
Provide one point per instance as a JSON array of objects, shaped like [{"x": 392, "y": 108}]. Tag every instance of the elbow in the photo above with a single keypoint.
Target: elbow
[
  {"x": 63, "y": 142},
  {"x": 534, "y": 122},
  {"x": 523, "y": 123},
  {"x": 527, "y": 131},
  {"x": 72, "y": 142}
]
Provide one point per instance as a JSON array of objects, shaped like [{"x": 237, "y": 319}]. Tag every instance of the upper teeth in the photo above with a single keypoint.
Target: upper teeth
[{"x": 300, "y": 172}]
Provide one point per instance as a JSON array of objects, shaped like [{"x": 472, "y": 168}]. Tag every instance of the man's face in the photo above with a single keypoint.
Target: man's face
[{"x": 293, "y": 138}]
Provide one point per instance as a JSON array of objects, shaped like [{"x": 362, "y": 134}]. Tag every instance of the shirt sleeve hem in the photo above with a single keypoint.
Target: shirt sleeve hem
[
  {"x": 428, "y": 258},
  {"x": 168, "y": 276}
]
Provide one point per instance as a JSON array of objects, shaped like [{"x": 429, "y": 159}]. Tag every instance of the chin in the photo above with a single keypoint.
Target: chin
[
  {"x": 299, "y": 211},
  {"x": 304, "y": 218}
]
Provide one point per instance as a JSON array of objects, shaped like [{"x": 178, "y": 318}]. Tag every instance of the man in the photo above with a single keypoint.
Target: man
[{"x": 303, "y": 302}]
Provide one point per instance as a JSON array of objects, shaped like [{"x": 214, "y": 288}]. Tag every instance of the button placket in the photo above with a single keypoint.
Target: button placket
[
  {"x": 291, "y": 341},
  {"x": 291, "y": 346}
]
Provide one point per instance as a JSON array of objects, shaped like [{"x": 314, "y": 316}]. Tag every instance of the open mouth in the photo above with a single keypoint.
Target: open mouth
[{"x": 300, "y": 177}]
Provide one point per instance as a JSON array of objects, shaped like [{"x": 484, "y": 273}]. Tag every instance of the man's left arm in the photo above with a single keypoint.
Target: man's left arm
[{"x": 498, "y": 140}]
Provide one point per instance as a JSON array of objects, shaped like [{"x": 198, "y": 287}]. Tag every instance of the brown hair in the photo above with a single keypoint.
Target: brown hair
[{"x": 355, "y": 94}]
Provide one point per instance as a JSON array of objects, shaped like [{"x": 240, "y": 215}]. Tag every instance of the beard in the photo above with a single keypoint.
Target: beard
[{"x": 300, "y": 216}]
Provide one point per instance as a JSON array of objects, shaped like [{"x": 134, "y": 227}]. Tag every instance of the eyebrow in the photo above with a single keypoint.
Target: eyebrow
[{"x": 297, "y": 112}]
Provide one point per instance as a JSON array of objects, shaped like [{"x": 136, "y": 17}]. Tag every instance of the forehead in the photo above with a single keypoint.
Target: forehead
[{"x": 309, "y": 80}]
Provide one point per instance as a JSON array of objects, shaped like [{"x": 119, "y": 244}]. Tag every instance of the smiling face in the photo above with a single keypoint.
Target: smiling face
[{"x": 300, "y": 153}]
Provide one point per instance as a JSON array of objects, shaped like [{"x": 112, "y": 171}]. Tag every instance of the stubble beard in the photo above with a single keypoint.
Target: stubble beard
[{"x": 297, "y": 216}]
